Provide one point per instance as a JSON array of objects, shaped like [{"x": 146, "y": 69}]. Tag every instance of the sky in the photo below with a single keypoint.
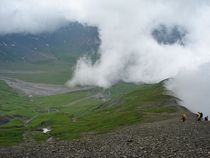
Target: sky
[{"x": 129, "y": 52}]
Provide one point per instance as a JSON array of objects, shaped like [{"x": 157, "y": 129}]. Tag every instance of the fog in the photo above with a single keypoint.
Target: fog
[
  {"x": 192, "y": 87},
  {"x": 142, "y": 40}
]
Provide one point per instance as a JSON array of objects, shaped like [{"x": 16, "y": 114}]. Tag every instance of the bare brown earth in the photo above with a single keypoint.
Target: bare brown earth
[
  {"x": 163, "y": 139},
  {"x": 38, "y": 89}
]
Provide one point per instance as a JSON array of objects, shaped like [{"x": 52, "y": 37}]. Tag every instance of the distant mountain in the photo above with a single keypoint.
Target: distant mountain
[
  {"x": 169, "y": 35},
  {"x": 65, "y": 44}
]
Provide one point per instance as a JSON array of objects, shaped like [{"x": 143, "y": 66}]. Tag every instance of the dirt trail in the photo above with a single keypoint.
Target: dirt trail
[
  {"x": 38, "y": 89},
  {"x": 162, "y": 139}
]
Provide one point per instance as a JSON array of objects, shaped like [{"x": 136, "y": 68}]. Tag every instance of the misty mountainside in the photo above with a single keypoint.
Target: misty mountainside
[
  {"x": 51, "y": 57},
  {"x": 64, "y": 44},
  {"x": 48, "y": 57}
]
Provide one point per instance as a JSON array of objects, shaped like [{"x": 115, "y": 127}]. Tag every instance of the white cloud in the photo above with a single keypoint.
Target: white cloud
[
  {"x": 193, "y": 88},
  {"x": 128, "y": 51}
]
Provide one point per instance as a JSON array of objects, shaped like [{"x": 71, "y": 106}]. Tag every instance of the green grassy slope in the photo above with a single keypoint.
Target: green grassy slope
[
  {"x": 18, "y": 108},
  {"x": 72, "y": 115},
  {"x": 51, "y": 72}
]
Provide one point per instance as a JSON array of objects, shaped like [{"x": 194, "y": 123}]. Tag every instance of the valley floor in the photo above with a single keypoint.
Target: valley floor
[
  {"x": 169, "y": 138},
  {"x": 38, "y": 89}
]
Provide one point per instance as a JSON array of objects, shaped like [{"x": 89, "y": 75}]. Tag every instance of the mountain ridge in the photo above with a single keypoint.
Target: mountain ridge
[{"x": 66, "y": 42}]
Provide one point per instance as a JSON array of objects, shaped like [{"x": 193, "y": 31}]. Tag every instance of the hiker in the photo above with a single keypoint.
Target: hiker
[
  {"x": 201, "y": 116},
  {"x": 198, "y": 116},
  {"x": 206, "y": 118},
  {"x": 183, "y": 117}
]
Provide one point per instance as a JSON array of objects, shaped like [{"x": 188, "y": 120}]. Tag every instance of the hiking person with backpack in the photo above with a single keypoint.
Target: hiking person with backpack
[{"x": 199, "y": 116}]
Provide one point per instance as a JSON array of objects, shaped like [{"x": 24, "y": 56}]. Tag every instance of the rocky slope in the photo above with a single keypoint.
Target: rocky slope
[{"x": 169, "y": 138}]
